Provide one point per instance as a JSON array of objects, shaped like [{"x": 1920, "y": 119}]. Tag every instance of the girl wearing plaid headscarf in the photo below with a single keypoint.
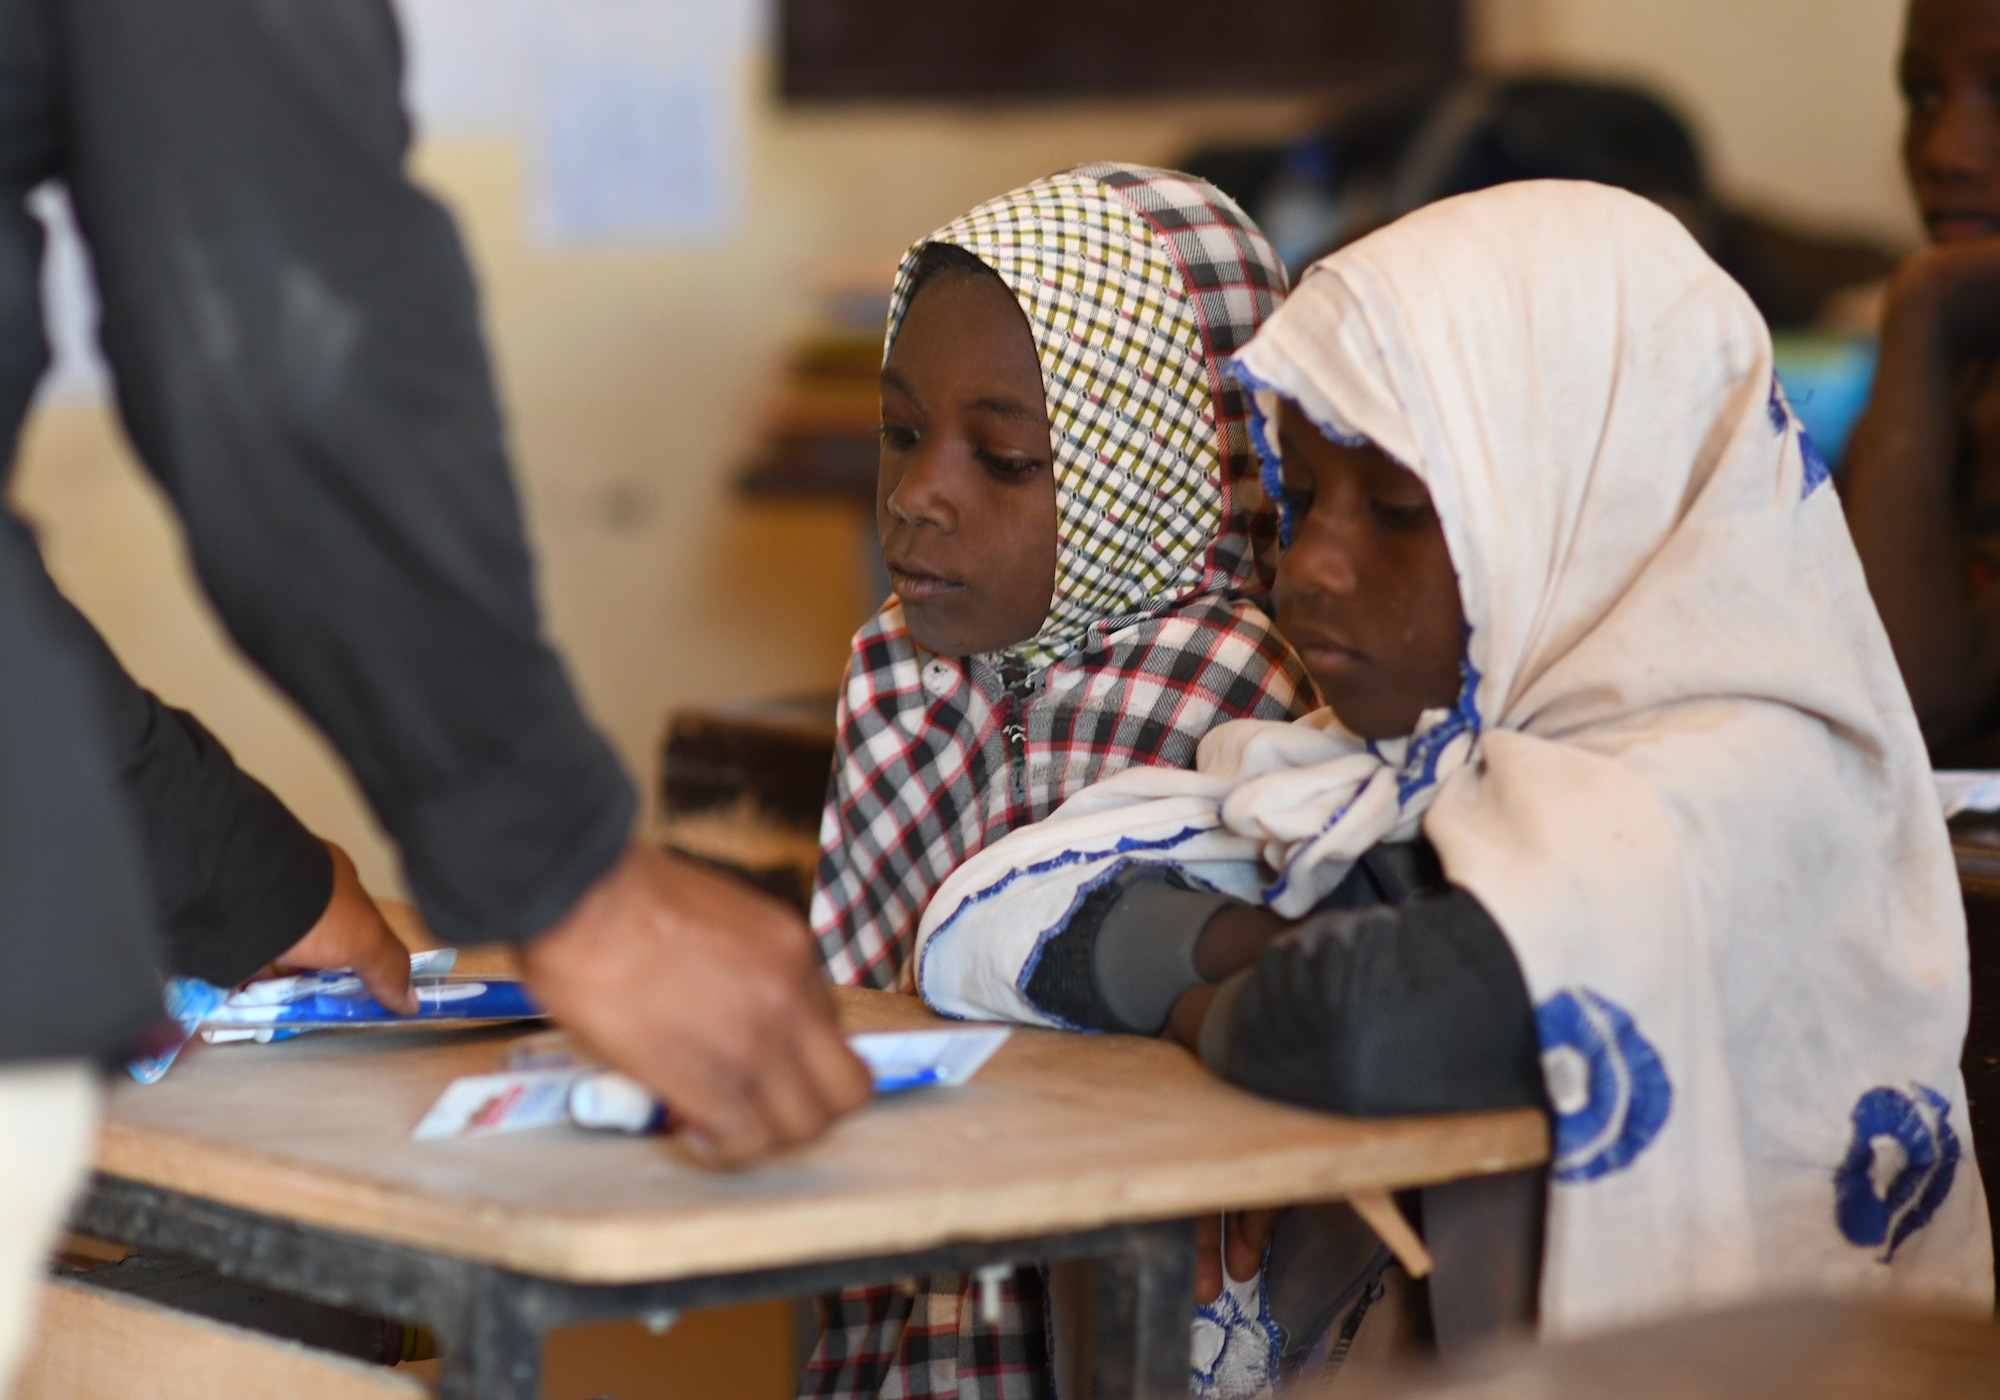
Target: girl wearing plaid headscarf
[{"x": 1135, "y": 286}]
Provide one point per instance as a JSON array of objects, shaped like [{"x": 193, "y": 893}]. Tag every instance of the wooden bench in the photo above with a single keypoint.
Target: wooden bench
[
  {"x": 741, "y": 786},
  {"x": 93, "y": 1345}
]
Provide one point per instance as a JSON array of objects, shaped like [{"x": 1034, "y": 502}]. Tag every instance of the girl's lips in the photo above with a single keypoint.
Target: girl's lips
[
  {"x": 1961, "y": 225},
  {"x": 914, "y": 587},
  {"x": 1325, "y": 658}
]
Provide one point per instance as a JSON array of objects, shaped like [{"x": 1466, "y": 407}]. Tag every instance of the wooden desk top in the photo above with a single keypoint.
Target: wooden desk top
[{"x": 1059, "y": 1132}]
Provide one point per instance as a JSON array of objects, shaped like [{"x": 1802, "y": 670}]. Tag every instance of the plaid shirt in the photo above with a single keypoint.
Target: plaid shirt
[
  {"x": 1137, "y": 286},
  {"x": 937, "y": 757}
]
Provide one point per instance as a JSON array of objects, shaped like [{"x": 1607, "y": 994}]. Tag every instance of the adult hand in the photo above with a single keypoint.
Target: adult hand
[
  {"x": 709, "y": 994},
  {"x": 352, "y": 933},
  {"x": 1239, "y": 1239}
]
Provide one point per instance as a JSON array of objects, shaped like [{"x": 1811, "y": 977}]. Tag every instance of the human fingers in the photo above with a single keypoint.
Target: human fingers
[
  {"x": 840, "y": 1078},
  {"x": 382, "y": 963},
  {"x": 699, "y": 990},
  {"x": 1207, "y": 1258},
  {"x": 350, "y": 932},
  {"x": 721, "y": 1123},
  {"x": 804, "y": 1074},
  {"x": 1249, "y": 1232}
]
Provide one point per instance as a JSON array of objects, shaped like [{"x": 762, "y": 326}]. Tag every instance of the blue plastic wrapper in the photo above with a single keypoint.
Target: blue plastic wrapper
[{"x": 282, "y": 1007}]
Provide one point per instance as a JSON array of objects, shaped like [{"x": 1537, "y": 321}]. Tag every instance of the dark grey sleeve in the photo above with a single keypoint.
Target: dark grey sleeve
[
  {"x": 1127, "y": 954},
  {"x": 236, "y": 879},
  {"x": 1418, "y": 1008},
  {"x": 77, "y": 950},
  {"x": 296, "y": 342}
]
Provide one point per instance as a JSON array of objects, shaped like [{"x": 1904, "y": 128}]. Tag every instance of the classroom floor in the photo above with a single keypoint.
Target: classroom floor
[{"x": 743, "y": 1353}]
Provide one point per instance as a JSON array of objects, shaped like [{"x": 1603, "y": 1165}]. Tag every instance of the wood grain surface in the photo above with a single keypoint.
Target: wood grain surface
[
  {"x": 1791, "y": 1349},
  {"x": 1059, "y": 1132},
  {"x": 94, "y": 1345}
]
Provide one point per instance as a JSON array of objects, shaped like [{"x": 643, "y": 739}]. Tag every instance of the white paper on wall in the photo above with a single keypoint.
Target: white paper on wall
[
  {"x": 632, "y": 110},
  {"x": 636, "y": 119},
  {"x": 77, "y": 371},
  {"x": 465, "y": 64}
]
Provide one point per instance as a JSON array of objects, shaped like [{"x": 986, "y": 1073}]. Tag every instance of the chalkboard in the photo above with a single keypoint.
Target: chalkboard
[{"x": 929, "y": 49}]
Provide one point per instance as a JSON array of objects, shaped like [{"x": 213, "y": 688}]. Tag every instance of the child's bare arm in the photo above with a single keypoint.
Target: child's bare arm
[{"x": 1944, "y": 306}]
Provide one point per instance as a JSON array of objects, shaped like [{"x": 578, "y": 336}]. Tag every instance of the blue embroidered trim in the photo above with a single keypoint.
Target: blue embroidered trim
[
  {"x": 1624, "y": 1096},
  {"x": 1775, "y": 407},
  {"x": 1815, "y": 472},
  {"x": 1420, "y": 764},
  {"x": 1204, "y": 1383},
  {"x": 1274, "y": 892},
  {"x": 1270, "y": 462},
  {"x": 1907, "y": 1139},
  {"x": 1124, "y": 846}
]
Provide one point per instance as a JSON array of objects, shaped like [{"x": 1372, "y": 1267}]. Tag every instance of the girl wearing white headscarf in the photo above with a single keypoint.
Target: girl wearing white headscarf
[{"x": 1682, "y": 788}]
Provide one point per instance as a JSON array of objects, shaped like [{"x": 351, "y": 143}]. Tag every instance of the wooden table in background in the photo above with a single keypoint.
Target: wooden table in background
[
  {"x": 1975, "y": 845},
  {"x": 291, "y": 1166}
]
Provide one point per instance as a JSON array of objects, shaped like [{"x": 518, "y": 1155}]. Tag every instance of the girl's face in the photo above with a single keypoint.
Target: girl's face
[
  {"x": 1366, "y": 592},
  {"x": 966, "y": 496},
  {"x": 1950, "y": 76}
]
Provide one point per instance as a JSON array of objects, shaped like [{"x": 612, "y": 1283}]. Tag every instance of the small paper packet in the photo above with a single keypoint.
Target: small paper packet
[
  {"x": 559, "y": 1089},
  {"x": 481, "y": 1104}
]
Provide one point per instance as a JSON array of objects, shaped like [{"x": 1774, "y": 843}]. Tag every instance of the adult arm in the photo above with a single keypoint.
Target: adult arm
[
  {"x": 237, "y": 881},
  {"x": 76, "y": 943},
  {"x": 1901, "y": 491},
  {"x": 298, "y": 357}
]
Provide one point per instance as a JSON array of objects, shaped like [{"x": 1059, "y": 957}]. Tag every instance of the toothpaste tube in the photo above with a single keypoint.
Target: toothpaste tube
[
  {"x": 545, "y": 1083},
  {"x": 606, "y": 1099},
  {"x": 896, "y": 1060}
]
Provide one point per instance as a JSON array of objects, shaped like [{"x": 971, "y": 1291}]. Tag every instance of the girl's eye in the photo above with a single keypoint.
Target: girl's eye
[
  {"x": 1401, "y": 517},
  {"x": 897, "y": 438},
  {"x": 1922, "y": 97},
  {"x": 1007, "y": 468},
  {"x": 1296, "y": 500}
]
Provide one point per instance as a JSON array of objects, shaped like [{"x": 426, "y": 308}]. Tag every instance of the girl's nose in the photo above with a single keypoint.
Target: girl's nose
[
  {"x": 1323, "y": 557},
  {"x": 922, "y": 494},
  {"x": 1958, "y": 146}
]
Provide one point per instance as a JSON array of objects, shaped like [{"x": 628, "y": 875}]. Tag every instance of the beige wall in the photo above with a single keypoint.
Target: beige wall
[
  {"x": 1794, "y": 99},
  {"x": 633, "y": 379}
]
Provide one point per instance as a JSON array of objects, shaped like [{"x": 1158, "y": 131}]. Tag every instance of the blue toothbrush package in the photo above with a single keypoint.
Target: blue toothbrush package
[{"x": 282, "y": 1007}]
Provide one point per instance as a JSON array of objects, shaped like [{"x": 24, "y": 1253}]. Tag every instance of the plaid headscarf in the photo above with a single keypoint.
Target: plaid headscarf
[{"x": 1137, "y": 286}]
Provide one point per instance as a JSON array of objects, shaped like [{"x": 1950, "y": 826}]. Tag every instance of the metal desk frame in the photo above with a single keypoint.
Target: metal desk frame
[{"x": 490, "y": 1320}]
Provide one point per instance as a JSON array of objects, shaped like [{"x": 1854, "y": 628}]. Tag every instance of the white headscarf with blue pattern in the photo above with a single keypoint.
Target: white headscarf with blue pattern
[{"x": 1684, "y": 777}]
